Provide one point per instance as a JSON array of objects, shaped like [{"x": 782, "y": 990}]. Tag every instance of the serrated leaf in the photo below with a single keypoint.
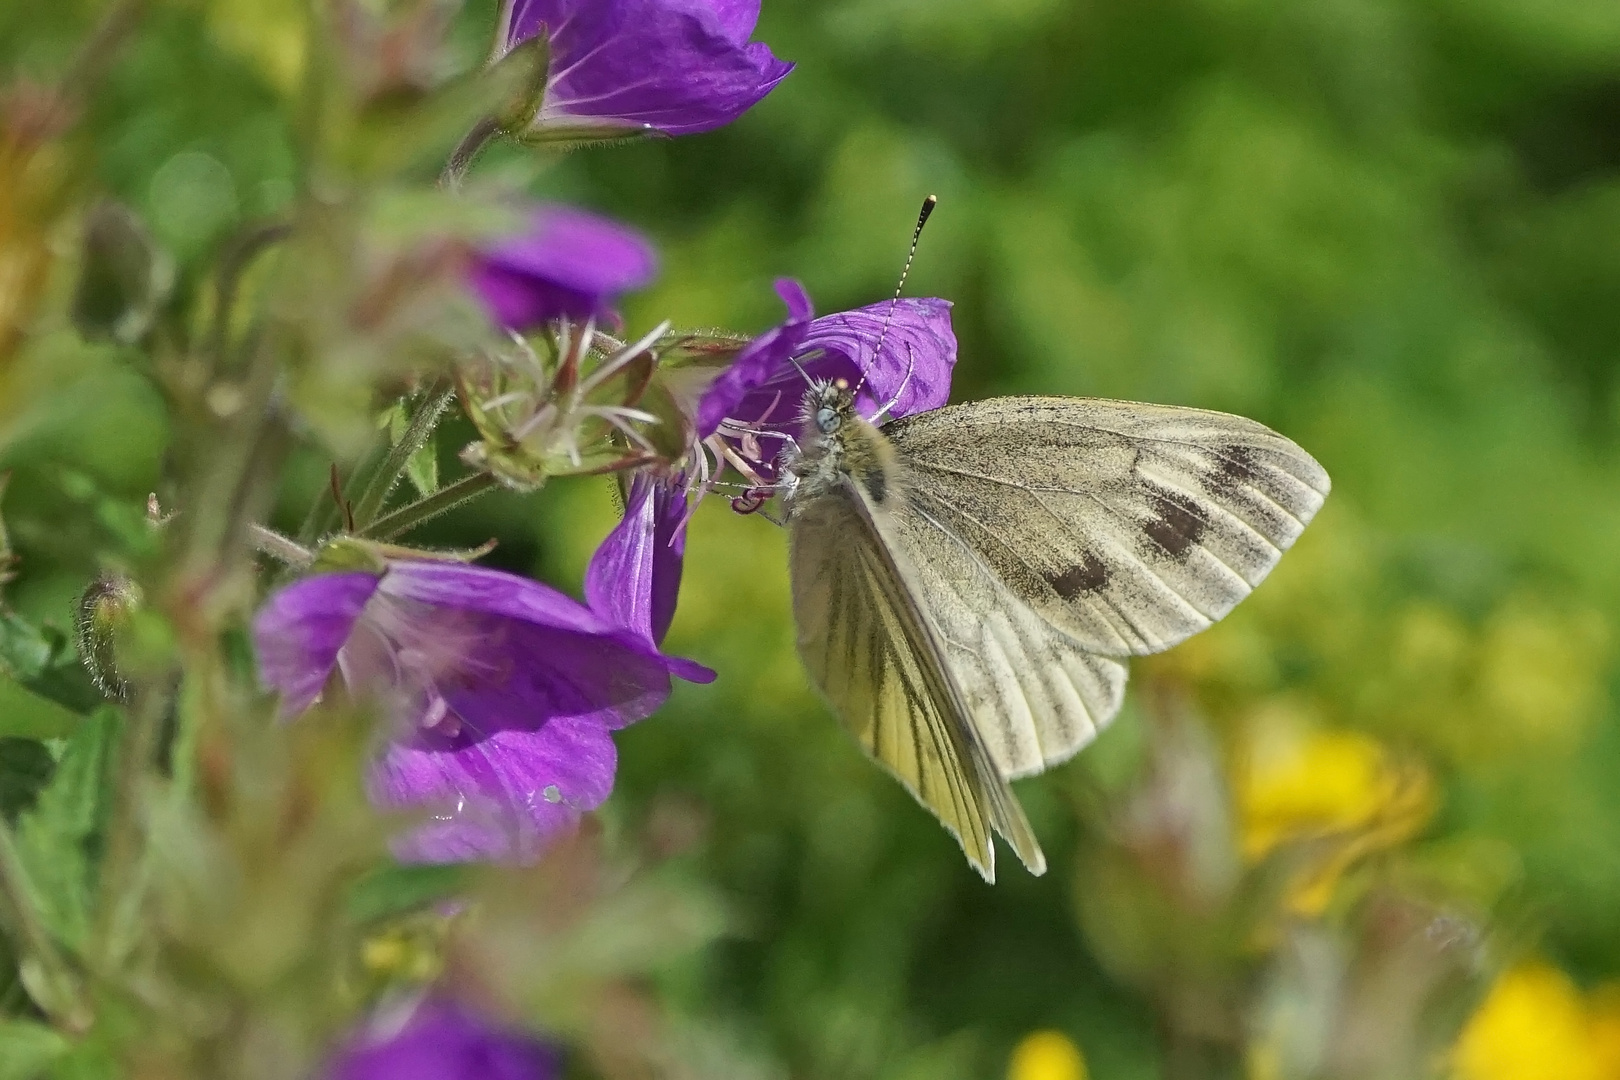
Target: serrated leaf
[
  {"x": 59, "y": 838},
  {"x": 28, "y": 1049},
  {"x": 27, "y": 715}
]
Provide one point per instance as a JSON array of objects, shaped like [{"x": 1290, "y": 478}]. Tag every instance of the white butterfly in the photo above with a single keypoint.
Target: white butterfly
[{"x": 967, "y": 581}]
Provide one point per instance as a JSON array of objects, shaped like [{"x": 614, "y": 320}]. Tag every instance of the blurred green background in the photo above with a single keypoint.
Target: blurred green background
[{"x": 1388, "y": 228}]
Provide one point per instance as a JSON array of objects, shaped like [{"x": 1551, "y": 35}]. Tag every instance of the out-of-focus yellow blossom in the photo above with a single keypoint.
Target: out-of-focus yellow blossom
[
  {"x": 1604, "y": 1007},
  {"x": 1535, "y": 1024},
  {"x": 1294, "y": 783},
  {"x": 410, "y": 953},
  {"x": 1046, "y": 1055}
]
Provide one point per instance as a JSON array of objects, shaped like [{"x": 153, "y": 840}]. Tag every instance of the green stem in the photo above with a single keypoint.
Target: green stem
[
  {"x": 442, "y": 501},
  {"x": 239, "y": 253},
  {"x": 34, "y": 939},
  {"x": 393, "y": 466},
  {"x": 467, "y": 151},
  {"x": 137, "y": 753},
  {"x": 280, "y": 547}
]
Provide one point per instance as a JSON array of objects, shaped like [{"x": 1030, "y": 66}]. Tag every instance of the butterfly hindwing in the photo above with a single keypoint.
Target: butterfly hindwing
[
  {"x": 1036, "y": 695},
  {"x": 875, "y": 656},
  {"x": 1127, "y": 527}
]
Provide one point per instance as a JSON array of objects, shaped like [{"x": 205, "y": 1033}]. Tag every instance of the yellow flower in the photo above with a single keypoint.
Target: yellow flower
[
  {"x": 1535, "y": 1024},
  {"x": 1341, "y": 789},
  {"x": 1046, "y": 1055}
]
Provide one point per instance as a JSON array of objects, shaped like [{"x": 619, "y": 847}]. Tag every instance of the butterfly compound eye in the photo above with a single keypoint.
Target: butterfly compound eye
[{"x": 828, "y": 420}]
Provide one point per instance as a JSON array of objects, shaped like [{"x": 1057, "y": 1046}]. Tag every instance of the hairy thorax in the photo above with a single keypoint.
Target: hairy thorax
[{"x": 835, "y": 446}]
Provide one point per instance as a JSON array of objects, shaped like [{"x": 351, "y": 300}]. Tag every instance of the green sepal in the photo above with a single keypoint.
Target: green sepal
[
  {"x": 553, "y": 136},
  {"x": 527, "y": 69},
  {"x": 345, "y": 554}
]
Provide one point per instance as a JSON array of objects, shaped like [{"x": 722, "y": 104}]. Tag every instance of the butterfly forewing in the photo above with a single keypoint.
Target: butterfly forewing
[
  {"x": 872, "y": 652},
  {"x": 1127, "y": 527}
]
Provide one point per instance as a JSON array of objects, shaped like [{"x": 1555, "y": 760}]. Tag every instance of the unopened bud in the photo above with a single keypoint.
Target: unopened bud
[
  {"x": 124, "y": 280},
  {"x": 105, "y": 611},
  {"x": 526, "y": 69}
]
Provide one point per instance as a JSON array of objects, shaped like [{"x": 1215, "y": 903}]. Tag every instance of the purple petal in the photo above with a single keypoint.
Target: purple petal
[
  {"x": 568, "y": 263},
  {"x": 915, "y": 362},
  {"x": 635, "y": 575},
  {"x": 492, "y": 592},
  {"x": 540, "y": 653},
  {"x": 441, "y": 1040},
  {"x": 677, "y": 66},
  {"x": 501, "y": 797},
  {"x": 300, "y": 629},
  {"x": 765, "y": 359}
]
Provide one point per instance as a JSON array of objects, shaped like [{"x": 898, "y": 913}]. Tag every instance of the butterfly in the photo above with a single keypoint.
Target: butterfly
[{"x": 968, "y": 582}]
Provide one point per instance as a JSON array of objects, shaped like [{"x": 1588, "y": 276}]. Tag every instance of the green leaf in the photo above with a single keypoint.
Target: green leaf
[
  {"x": 28, "y": 1049},
  {"x": 25, "y": 768},
  {"x": 60, "y": 837},
  {"x": 25, "y": 714},
  {"x": 423, "y": 468},
  {"x": 43, "y": 661},
  {"x": 25, "y": 652},
  {"x": 399, "y": 889}
]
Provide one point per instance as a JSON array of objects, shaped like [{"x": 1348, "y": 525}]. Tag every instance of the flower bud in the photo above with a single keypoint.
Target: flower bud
[
  {"x": 124, "y": 280},
  {"x": 528, "y": 67},
  {"x": 105, "y": 612},
  {"x": 570, "y": 403}
]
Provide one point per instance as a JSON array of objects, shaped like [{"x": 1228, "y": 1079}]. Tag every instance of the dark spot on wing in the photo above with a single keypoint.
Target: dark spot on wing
[
  {"x": 1176, "y": 524},
  {"x": 1089, "y": 575},
  {"x": 1236, "y": 467}
]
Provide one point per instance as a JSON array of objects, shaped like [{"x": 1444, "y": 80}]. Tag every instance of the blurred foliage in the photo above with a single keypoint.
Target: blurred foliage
[{"x": 1376, "y": 807}]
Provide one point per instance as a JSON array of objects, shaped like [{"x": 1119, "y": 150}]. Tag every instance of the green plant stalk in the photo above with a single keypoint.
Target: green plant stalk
[
  {"x": 280, "y": 547},
  {"x": 393, "y": 466},
  {"x": 442, "y": 501},
  {"x": 466, "y": 152}
]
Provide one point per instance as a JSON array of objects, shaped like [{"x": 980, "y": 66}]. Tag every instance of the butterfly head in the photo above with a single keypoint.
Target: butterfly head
[{"x": 829, "y": 405}]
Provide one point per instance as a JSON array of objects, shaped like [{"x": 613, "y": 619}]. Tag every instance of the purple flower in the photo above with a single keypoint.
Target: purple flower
[
  {"x": 636, "y": 572},
  {"x": 438, "y": 1039},
  {"x": 569, "y": 263},
  {"x": 675, "y": 66},
  {"x": 758, "y": 400},
  {"x": 502, "y": 692}
]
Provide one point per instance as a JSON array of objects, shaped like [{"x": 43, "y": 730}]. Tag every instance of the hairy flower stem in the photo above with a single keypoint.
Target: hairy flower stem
[
  {"x": 280, "y": 547},
  {"x": 66, "y": 1005},
  {"x": 393, "y": 466},
  {"x": 442, "y": 501}
]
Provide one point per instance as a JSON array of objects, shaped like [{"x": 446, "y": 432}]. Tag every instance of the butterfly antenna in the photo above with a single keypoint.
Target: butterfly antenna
[
  {"x": 803, "y": 374},
  {"x": 888, "y": 318},
  {"x": 911, "y": 365}
]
